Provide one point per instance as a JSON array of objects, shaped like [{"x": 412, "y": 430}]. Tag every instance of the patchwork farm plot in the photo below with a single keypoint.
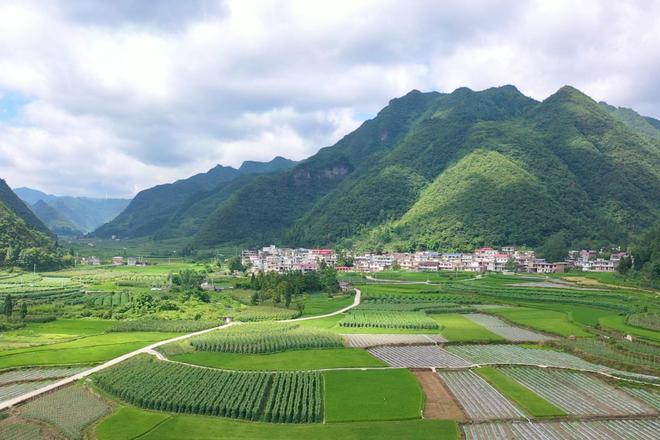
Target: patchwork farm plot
[
  {"x": 641, "y": 429},
  {"x": 578, "y": 393},
  {"x": 266, "y": 338},
  {"x": 36, "y": 374},
  {"x": 418, "y": 356},
  {"x": 651, "y": 397},
  {"x": 19, "y": 430},
  {"x": 273, "y": 397},
  {"x": 507, "y": 331},
  {"x": 375, "y": 340},
  {"x": 388, "y": 319},
  {"x": 479, "y": 400}
]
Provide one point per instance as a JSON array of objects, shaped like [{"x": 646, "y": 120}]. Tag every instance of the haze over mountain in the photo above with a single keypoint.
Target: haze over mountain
[
  {"x": 434, "y": 170},
  {"x": 66, "y": 215}
]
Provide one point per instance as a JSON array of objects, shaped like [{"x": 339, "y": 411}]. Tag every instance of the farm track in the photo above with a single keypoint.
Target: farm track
[
  {"x": 148, "y": 350},
  {"x": 439, "y": 403}
]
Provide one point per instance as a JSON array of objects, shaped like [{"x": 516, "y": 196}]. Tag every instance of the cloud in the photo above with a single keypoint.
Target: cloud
[{"x": 118, "y": 96}]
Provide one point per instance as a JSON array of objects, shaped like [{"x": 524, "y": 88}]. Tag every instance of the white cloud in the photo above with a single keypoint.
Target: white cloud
[{"x": 121, "y": 96}]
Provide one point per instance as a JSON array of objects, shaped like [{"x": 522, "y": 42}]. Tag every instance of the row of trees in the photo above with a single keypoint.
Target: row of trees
[
  {"x": 8, "y": 307},
  {"x": 45, "y": 258},
  {"x": 284, "y": 287}
]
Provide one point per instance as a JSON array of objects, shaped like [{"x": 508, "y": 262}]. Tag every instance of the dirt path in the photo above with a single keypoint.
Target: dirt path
[{"x": 439, "y": 404}]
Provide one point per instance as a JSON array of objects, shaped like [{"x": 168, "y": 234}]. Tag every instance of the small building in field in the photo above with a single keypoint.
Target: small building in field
[{"x": 117, "y": 261}]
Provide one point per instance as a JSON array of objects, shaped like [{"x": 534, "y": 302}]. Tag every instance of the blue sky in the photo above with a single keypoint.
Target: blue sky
[{"x": 128, "y": 94}]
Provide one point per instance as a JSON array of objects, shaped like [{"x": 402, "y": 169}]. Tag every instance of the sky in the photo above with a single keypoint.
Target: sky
[{"x": 105, "y": 97}]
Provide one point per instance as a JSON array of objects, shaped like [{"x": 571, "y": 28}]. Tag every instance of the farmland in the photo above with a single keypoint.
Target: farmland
[
  {"x": 643, "y": 429},
  {"x": 264, "y": 379},
  {"x": 273, "y": 397},
  {"x": 527, "y": 400},
  {"x": 479, "y": 400},
  {"x": 389, "y": 319},
  {"x": 266, "y": 338},
  {"x": 292, "y": 360},
  {"x": 70, "y": 409},
  {"x": 577, "y": 393},
  {"x": 371, "y": 395}
]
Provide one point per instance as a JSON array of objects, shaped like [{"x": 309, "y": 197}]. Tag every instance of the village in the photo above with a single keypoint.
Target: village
[{"x": 485, "y": 259}]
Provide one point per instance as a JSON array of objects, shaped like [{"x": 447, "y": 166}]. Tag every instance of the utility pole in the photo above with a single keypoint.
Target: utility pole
[{"x": 35, "y": 268}]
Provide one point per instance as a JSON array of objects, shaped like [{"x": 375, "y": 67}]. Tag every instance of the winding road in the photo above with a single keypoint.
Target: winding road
[{"x": 149, "y": 349}]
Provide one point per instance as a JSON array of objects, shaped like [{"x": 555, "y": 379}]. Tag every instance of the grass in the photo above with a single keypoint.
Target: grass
[
  {"x": 549, "y": 321},
  {"x": 86, "y": 350},
  {"x": 372, "y": 395},
  {"x": 320, "y": 304},
  {"x": 48, "y": 332},
  {"x": 129, "y": 423},
  {"x": 284, "y": 361},
  {"x": 618, "y": 323},
  {"x": 457, "y": 328},
  {"x": 526, "y": 399}
]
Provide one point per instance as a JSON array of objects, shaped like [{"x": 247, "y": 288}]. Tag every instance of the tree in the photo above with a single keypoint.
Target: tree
[
  {"x": 235, "y": 264},
  {"x": 254, "y": 299},
  {"x": 8, "y": 308},
  {"x": 24, "y": 310},
  {"x": 511, "y": 265},
  {"x": 554, "y": 248},
  {"x": 625, "y": 264}
]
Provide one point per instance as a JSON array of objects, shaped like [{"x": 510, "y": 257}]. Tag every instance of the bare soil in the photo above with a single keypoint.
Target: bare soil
[{"x": 439, "y": 405}]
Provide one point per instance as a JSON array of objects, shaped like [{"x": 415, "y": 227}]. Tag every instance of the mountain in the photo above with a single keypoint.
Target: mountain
[
  {"x": 179, "y": 208},
  {"x": 55, "y": 221},
  {"x": 449, "y": 171},
  {"x": 84, "y": 213},
  {"x": 19, "y": 227}
]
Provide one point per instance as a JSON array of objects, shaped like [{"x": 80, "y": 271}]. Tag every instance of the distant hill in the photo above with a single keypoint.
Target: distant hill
[
  {"x": 55, "y": 221},
  {"x": 83, "y": 213},
  {"x": 19, "y": 227},
  {"x": 445, "y": 171},
  {"x": 179, "y": 208}
]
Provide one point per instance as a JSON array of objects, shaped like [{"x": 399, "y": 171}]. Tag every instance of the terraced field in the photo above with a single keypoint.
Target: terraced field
[
  {"x": 578, "y": 393},
  {"x": 19, "y": 430},
  {"x": 478, "y": 398},
  {"x": 375, "y": 340},
  {"x": 642, "y": 429},
  {"x": 418, "y": 356},
  {"x": 507, "y": 331}
]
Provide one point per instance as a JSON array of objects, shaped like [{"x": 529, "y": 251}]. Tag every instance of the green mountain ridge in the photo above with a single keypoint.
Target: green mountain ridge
[
  {"x": 175, "y": 209},
  {"x": 449, "y": 171},
  {"x": 56, "y": 222},
  {"x": 19, "y": 227}
]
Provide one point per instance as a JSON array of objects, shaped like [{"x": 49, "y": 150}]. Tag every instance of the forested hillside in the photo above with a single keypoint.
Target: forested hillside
[
  {"x": 447, "y": 171},
  {"x": 180, "y": 207}
]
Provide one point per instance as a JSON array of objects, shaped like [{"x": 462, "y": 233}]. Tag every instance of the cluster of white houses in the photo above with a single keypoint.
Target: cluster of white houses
[{"x": 484, "y": 259}]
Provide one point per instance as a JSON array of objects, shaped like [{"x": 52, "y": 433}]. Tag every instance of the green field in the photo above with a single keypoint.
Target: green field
[
  {"x": 372, "y": 395},
  {"x": 129, "y": 423},
  {"x": 91, "y": 349},
  {"x": 457, "y": 328},
  {"x": 545, "y": 320},
  {"x": 526, "y": 399},
  {"x": 618, "y": 323},
  {"x": 284, "y": 361},
  {"x": 54, "y": 331},
  {"x": 321, "y": 304}
]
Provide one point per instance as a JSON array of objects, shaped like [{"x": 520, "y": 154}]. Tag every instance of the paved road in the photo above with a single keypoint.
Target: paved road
[{"x": 150, "y": 349}]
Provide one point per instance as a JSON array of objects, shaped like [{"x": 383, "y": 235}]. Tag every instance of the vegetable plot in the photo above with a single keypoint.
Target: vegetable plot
[
  {"x": 273, "y": 397},
  {"x": 388, "y": 319},
  {"x": 266, "y": 338}
]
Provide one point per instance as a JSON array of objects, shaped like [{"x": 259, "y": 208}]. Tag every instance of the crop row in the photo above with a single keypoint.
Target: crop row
[
  {"x": 418, "y": 356},
  {"x": 165, "y": 386},
  {"x": 388, "y": 319},
  {"x": 645, "y": 320},
  {"x": 265, "y": 338},
  {"x": 32, "y": 374},
  {"x": 111, "y": 299},
  {"x": 415, "y": 298},
  {"x": 577, "y": 393},
  {"x": 507, "y": 331},
  {"x": 265, "y": 313},
  {"x": 162, "y": 325},
  {"x": 415, "y": 307},
  {"x": 479, "y": 400},
  {"x": 643, "y": 429}
]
